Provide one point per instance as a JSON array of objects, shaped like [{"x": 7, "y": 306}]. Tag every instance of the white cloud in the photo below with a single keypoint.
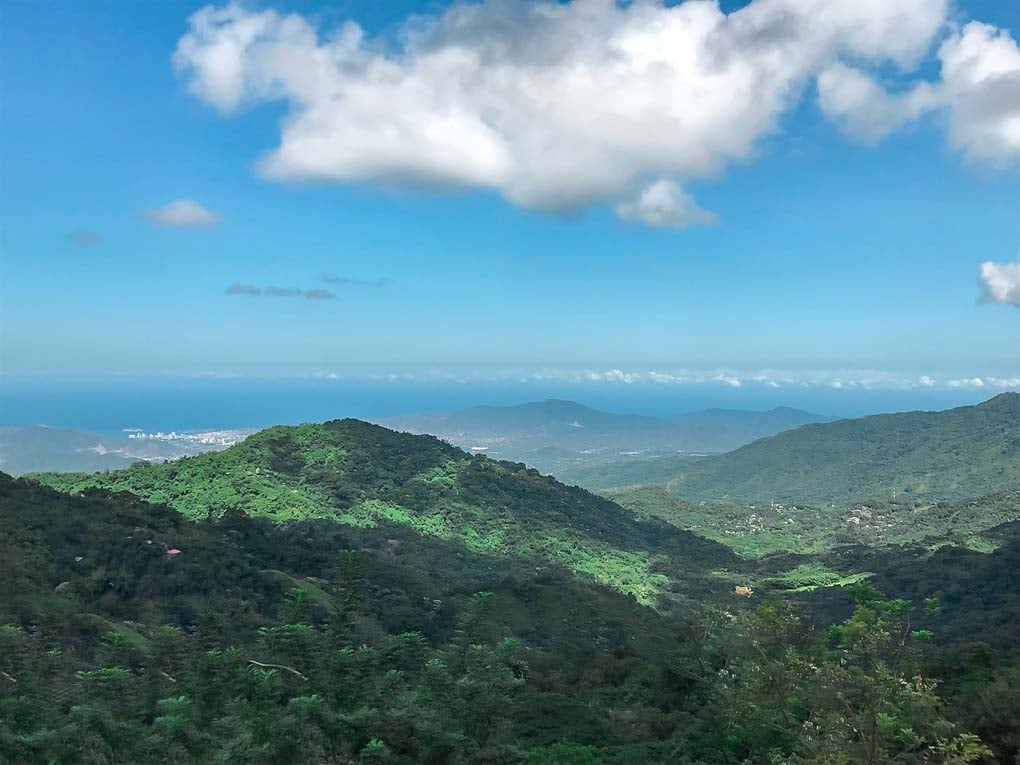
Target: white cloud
[
  {"x": 183, "y": 213},
  {"x": 842, "y": 380},
  {"x": 731, "y": 380},
  {"x": 981, "y": 76},
  {"x": 978, "y": 90},
  {"x": 555, "y": 106},
  {"x": 665, "y": 204},
  {"x": 1001, "y": 282},
  {"x": 863, "y": 109},
  {"x": 980, "y": 383},
  {"x": 967, "y": 382}
]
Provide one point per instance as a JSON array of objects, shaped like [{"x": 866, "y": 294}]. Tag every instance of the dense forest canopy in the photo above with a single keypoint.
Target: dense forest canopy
[
  {"x": 915, "y": 457},
  {"x": 136, "y": 635},
  {"x": 343, "y": 593}
]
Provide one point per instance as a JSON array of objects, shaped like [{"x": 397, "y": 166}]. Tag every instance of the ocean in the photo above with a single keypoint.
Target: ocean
[{"x": 181, "y": 404}]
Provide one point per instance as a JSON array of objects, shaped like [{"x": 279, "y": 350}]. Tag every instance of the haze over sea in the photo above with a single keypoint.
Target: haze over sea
[{"x": 192, "y": 403}]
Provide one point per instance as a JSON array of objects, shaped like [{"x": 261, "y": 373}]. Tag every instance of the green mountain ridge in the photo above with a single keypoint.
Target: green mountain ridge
[
  {"x": 914, "y": 457},
  {"x": 362, "y": 475}
]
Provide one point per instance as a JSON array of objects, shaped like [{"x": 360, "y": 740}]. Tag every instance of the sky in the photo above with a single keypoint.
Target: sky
[{"x": 772, "y": 193}]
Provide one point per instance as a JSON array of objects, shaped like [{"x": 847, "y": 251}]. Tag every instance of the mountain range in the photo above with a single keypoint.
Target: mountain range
[
  {"x": 557, "y": 435},
  {"x": 911, "y": 457}
]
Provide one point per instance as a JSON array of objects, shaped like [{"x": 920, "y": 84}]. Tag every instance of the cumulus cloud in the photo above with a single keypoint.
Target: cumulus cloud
[
  {"x": 554, "y": 105},
  {"x": 182, "y": 213},
  {"x": 978, "y": 91},
  {"x": 665, "y": 204},
  {"x": 1001, "y": 282},
  {"x": 251, "y": 290},
  {"x": 981, "y": 82},
  {"x": 863, "y": 109}
]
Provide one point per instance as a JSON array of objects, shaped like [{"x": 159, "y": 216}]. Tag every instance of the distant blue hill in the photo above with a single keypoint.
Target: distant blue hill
[{"x": 554, "y": 434}]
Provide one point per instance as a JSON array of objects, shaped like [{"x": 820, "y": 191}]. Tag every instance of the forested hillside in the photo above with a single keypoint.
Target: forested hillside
[
  {"x": 342, "y": 593},
  {"x": 913, "y": 457},
  {"x": 133, "y": 634},
  {"x": 360, "y": 475},
  {"x": 136, "y": 635}
]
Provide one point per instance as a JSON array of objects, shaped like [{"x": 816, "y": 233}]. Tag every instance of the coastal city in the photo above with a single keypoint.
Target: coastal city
[{"x": 210, "y": 438}]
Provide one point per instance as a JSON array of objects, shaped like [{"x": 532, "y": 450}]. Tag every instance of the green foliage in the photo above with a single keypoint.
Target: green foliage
[
  {"x": 914, "y": 458},
  {"x": 759, "y": 529},
  {"x": 811, "y": 576},
  {"x": 364, "y": 476},
  {"x": 389, "y": 599},
  {"x": 300, "y": 642},
  {"x": 774, "y": 692},
  {"x": 562, "y": 753}
]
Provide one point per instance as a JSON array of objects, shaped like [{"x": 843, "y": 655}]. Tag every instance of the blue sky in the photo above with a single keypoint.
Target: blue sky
[{"x": 828, "y": 259}]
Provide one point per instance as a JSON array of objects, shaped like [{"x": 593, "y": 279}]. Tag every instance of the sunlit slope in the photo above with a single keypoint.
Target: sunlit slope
[
  {"x": 361, "y": 475},
  {"x": 99, "y": 559}
]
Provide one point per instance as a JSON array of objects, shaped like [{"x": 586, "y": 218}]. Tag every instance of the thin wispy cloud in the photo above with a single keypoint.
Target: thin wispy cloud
[
  {"x": 183, "y": 213},
  {"x": 250, "y": 290},
  {"x": 319, "y": 294},
  {"x": 561, "y": 105},
  {"x": 86, "y": 238},
  {"x": 351, "y": 281}
]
